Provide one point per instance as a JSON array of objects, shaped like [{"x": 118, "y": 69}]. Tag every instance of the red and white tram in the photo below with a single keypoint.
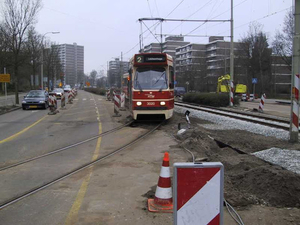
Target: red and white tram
[{"x": 149, "y": 86}]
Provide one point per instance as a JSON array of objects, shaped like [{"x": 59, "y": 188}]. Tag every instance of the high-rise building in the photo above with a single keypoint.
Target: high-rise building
[
  {"x": 115, "y": 70},
  {"x": 72, "y": 60}
]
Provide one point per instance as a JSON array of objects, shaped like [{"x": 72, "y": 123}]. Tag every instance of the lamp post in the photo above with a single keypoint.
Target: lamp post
[{"x": 42, "y": 64}]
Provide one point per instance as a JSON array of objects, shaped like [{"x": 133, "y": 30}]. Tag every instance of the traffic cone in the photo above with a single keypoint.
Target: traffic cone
[{"x": 163, "y": 201}]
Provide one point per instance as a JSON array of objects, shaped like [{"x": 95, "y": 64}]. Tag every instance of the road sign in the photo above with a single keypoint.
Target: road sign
[
  {"x": 175, "y": 82},
  {"x": 254, "y": 80},
  {"x": 87, "y": 83},
  {"x": 4, "y": 78},
  {"x": 198, "y": 193}
]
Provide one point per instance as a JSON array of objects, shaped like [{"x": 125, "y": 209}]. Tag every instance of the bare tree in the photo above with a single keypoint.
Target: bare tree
[
  {"x": 257, "y": 56},
  {"x": 18, "y": 16},
  {"x": 283, "y": 41},
  {"x": 53, "y": 68},
  {"x": 34, "y": 48},
  {"x": 93, "y": 76}
]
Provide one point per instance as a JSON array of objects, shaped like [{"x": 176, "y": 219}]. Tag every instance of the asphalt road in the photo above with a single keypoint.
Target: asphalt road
[{"x": 25, "y": 134}]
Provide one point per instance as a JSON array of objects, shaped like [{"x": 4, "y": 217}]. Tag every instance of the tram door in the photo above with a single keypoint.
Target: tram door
[{"x": 130, "y": 90}]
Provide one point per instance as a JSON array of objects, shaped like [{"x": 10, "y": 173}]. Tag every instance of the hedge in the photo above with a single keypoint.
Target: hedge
[
  {"x": 210, "y": 99},
  {"x": 98, "y": 91}
]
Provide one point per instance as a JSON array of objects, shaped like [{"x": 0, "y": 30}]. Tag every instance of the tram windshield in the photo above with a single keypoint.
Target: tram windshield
[{"x": 151, "y": 78}]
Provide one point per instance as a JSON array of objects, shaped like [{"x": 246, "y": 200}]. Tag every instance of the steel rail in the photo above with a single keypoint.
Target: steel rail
[
  {"x": 87, "y": 165},
  {"x": 64, "y": 148},
  {"x": 222, "y": 113}
]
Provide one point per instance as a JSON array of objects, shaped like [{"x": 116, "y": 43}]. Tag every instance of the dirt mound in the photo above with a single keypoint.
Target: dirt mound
[{"x": 248, "y": 180}]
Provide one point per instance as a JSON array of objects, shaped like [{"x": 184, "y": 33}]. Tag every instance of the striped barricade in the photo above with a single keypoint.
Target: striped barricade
[
  {"x": 108, "y": 95},
  {"x": 63, "y": 102},
  {"x": 52, "y": 105},
  {"x": 122, "y": 106},
  {"x": 70, "y": 98},
  {"x": 117, "y": 103},
  {"x": 262, "y": 103}
]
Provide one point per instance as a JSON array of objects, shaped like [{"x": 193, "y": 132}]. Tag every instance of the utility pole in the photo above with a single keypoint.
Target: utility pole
[
  {"x": 121, "y": 71},
  {"x": 294, "y": 122},
  {"x": 231, "y": 58}
]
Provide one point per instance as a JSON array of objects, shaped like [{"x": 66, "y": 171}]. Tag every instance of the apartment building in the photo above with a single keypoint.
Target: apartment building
[
  {"x": 281, "y": 75},
  {"x": 72, "y": 60},
  {"x": 116, "y": 69},
  {"x": 169, "y": 46},
  {"x": 207, "y": 62}
]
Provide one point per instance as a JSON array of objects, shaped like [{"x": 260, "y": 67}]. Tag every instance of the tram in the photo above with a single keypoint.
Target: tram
[{"x": 149, "y": 86}]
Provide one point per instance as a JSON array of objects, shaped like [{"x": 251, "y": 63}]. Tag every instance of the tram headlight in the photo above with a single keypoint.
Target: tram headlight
[
  {"x": 162, "y": 103},
  {"x": 139, "y": 103}
]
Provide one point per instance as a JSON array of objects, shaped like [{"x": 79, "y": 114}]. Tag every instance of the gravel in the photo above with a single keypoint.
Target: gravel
[
  {"x": 226, "y": 123},
  {"x": 288, "y": 159}
]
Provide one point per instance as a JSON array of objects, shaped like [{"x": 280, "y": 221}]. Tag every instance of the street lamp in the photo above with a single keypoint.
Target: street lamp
[{"x": 42, "y": 64}]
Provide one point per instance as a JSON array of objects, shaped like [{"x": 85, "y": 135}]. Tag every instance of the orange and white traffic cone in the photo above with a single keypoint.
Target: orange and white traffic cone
[{"x": 163, "y": 201}]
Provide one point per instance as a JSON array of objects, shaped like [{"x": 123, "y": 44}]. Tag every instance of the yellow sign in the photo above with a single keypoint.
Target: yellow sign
[
  {"x": 60, "y": 84},
  {"x": 4, "y": 78},
  {"x": 88, "y": 84}
]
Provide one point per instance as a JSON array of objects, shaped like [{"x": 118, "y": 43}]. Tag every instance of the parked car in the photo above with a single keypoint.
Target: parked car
[
  {"x": 36, "y": 99},
  {"x": 67, "y": 88},
  {"x": 58, "y": 92},
  {"x": 179, "y": 91}
]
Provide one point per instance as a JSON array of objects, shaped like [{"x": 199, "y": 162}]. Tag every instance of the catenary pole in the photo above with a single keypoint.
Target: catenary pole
[
  {"x": 121, "y": 72},
  {"x": 231, "y": 58},
  {"x": 294, "y": 122}
]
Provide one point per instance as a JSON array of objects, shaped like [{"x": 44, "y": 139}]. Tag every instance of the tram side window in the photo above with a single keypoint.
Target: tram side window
[{"x": 171, "y": 83}]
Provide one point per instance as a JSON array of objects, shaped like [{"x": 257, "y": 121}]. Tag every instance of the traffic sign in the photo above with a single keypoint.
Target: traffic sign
[
  {"x": 4, "y": 78},
  {"x": 88, "y": 83},
  {"x": 198, "y": 193},
  {"x": 254, "y": 80}
]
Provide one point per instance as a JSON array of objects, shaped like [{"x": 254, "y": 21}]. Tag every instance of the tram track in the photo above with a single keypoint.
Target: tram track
[
  {"x": 65, "y": 148},
  {"x": 74, "y": 171},
  {"x": 249, "y": 117}
]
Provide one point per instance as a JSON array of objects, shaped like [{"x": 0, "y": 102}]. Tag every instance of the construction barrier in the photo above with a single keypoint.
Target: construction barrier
[
  {"x": 122, "y": 106},
  {"x": 117, "y": 102},
  {"x": 63, "y": 102},
  {"x": 295, "y": 105},
  {"x": 108, "y": 95},
  {"x": 70, "y": 98},
  {"x": 231, "y": 92},
  {"x": 198, "y": 193},
  {"x": 262, "y": 103},
  {"x": 163, "y": 201},
  {"x": 52, "y": 105}
]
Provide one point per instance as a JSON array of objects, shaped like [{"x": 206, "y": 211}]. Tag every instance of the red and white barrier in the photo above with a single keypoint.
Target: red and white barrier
[
  {"x": 262, "y": 103},
  {"x": 163, "y": 201},
  {"x": 117, "y": 103},
  {"x": 122, "y": 104},
  {"x": 108, "y": 95},
  {"x": 63, "y": 101},
  {"x": 52, "y": 105},
  {"x": 231, "y": 92},
  {"x": 198, "y": 192},
  {"x": 295, "y": 116},
  {"x": 70, "y": 98}
]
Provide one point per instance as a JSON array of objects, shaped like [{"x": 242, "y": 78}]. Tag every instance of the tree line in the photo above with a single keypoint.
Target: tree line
[{"x": 23, "y": 50}]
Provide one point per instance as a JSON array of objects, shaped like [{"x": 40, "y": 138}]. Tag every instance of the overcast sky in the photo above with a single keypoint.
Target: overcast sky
[{"x": 106, "y": 28}]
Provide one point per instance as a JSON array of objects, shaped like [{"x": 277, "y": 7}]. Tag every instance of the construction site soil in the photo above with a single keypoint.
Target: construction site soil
[{"x": 248, "y": 180}]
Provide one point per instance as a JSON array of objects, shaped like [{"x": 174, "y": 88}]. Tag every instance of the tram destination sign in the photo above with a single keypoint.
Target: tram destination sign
[{"x": 150, "y": 58}]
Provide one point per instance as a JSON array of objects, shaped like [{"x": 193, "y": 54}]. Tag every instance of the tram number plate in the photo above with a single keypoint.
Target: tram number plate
[{"x": 150, "y": 103}]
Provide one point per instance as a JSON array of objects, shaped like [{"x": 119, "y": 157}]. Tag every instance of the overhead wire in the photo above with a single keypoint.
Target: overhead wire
[
  {"x": 203, "y": 6},
  {"x": 215, "y": 18},
  {"x": 175, "y": 8}
]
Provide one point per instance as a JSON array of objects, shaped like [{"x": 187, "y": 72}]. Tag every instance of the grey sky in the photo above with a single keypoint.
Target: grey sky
[{"x": 106, "y": 28}]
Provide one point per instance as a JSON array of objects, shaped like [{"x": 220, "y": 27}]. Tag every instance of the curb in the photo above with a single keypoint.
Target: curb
[{"x": 11, "y": 110}]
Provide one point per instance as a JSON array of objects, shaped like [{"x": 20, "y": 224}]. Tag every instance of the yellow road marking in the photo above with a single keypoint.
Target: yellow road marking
[
  {"x": 73, "y": 214},
  {"x": 22, "y": 131}
]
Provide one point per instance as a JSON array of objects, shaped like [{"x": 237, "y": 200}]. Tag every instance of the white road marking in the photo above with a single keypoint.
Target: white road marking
[
  {"x": 84, "y": 99},
  {"x": 92, "y": 99}
]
